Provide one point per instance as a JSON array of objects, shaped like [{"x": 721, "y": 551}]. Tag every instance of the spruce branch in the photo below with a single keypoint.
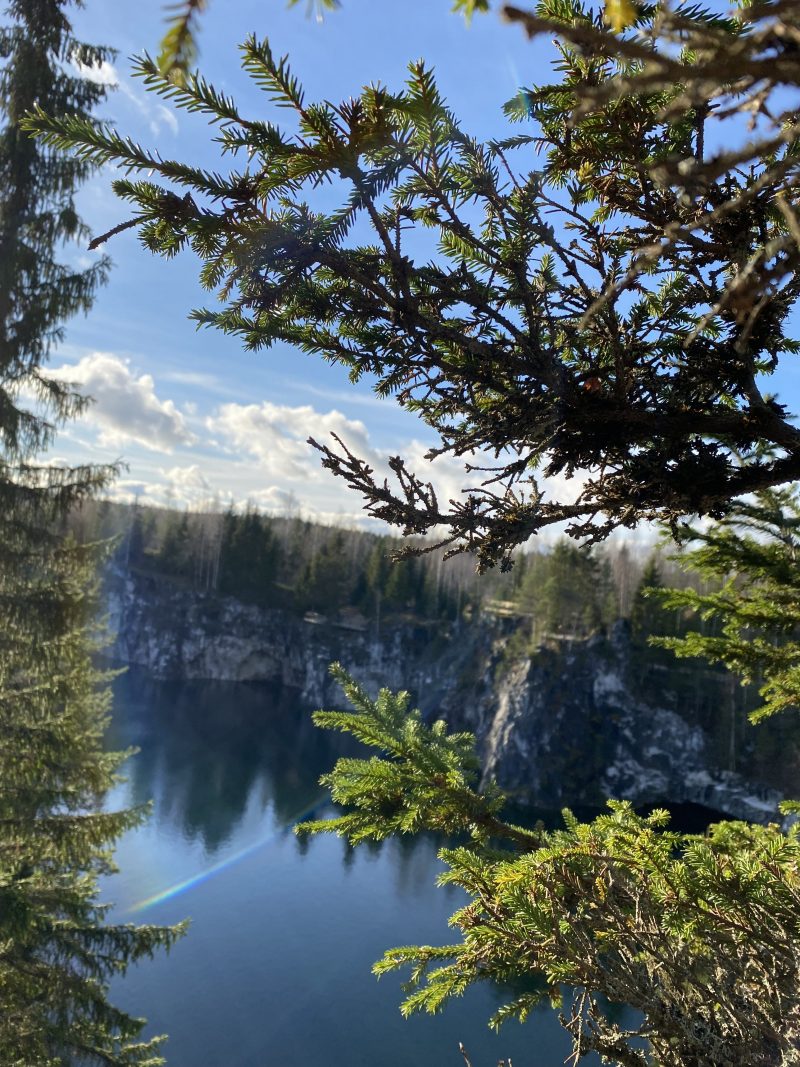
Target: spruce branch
[
  {"x": 754, "y": 614},
  {"x": 621, "y": 907},
  {"x": 424, "y": 780},
  {"x": 607, "y": 315}
]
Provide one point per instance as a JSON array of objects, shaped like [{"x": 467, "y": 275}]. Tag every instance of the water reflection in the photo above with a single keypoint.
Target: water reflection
[
  {"x": 205, "y": 759},
  {"x": 276, "y": 967}
]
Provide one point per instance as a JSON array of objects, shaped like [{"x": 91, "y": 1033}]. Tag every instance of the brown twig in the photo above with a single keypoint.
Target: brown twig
[{"x": 113, "y": 232}]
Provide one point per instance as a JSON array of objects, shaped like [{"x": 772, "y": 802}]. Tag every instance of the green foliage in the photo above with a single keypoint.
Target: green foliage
[
  {"x": 281, "y": 562},
  {"x": 325, "y": 582},
  {"x": 469, "y": 7},
  {"x": 174, "y": 557},
  {"x": 568, "y": 591},
  {"x": 58, "y": 952},
  {"x": 610, "y": 311},
  {"x": 427, "y": 782},
  {"x": 249, "y": 558},
  {"x": 178, "y": 48},
  {"x": 402, "y": 586},
  {"x": 38, "y": 216},
  {"x": 700, "y": 934},
  {"x": 651, "y": 614},
  {"x": 752, "y": 556}
]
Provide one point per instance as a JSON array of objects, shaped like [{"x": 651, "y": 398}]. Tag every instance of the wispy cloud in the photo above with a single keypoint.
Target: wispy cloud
[
  {"x": 156, "y": 115},
  {"x": 341, "y": 396},
  {"x": 201, "y": 379},
  {"x": 251, "y": 453}
]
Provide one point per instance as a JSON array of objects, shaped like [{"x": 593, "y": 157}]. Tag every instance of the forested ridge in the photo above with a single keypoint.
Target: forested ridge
[{"x": 297, "y": 564}]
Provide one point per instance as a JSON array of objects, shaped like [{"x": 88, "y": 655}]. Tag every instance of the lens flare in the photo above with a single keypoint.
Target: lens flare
[{"x": 203, "y": 876}]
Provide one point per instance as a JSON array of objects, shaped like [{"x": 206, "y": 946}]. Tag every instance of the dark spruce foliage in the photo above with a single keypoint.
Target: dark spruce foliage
[
  {"x": 38, "y": 292},
  {"x": 605, "y": 293},
  {"x": 58, "y": 951},
  {"x": 751, "y": 560}
]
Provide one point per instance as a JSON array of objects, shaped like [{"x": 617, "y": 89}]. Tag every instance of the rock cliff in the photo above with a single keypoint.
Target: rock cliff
[{"x": 568, "y": 725}]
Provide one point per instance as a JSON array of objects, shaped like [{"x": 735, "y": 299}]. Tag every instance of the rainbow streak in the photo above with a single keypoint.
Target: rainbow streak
[{"x": 197, "y": 879}]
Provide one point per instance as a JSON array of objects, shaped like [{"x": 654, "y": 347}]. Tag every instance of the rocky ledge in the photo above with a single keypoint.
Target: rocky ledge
[{"x": 568, "y": 725}]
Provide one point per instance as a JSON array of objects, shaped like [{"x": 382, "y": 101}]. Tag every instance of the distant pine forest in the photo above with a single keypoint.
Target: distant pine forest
[{"x": 297, "y": 565}]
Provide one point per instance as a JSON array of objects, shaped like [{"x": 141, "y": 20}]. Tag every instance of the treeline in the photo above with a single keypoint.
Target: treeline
[
  {"x": 280, "y": 561},
  {"x": 289, "y": 562},
  {"x": 554, "y": 594},
  {"x": 571, "y": 591}
]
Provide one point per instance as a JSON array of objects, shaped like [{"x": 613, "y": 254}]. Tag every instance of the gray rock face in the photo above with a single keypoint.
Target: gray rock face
[
  {"x": 178, "y": 634},
  {"x": 565, "y": 727}
]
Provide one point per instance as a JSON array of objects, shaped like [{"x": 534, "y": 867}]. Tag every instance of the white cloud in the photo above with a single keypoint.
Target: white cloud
[
  {"x": 274, "y": 498},
  {"x": 130, "y": 490},
  {"x": 188, "y": 484},
  {"x": 276, "y": 435},
  {"x": 162, "y": 116},
  {"x": 257, "y": 453},
  {"x": 126, "y": 408},
  {"x": 100, "y": 73},
  {"x": 180, "y": 488},
  {"x": 317, "y": 507}
]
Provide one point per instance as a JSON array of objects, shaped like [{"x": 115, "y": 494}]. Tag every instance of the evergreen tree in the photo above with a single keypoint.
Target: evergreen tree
[
  {"x": 606, "y": 594},
  {"x": 752, "y": 556},
  {"x": 57, "y": 951},
  {"x": 137, "y": 537},
  {"x": 174, "y": 557},
  {"x": 568, "y": 602},
  {"x": 377, "y": 573},
  {"x": 249, "y": 559},
  {"x": 326, "y": 580},
  {"x": 649, "y": 616},
  {"x": 400, "y": 586},
  {"x": 566, "y": 591},
  {"x": 37, "y": 214}
]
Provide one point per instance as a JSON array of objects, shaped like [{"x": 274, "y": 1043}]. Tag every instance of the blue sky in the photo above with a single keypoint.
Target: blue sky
[{"x": 194, "y": 416}]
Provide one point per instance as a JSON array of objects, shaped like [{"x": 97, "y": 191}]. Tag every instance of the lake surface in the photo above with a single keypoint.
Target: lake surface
[{"x": 275, "y": 969}]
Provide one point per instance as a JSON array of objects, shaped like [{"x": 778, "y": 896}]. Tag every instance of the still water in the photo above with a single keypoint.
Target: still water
[{"x": 275, "y": 969}]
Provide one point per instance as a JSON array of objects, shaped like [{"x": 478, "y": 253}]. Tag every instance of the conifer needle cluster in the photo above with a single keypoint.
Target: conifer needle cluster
[
  {"x": 698, "y": 933},
  {"x": 753, "y": 557},
  {"x": 601, "y": 292}
]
